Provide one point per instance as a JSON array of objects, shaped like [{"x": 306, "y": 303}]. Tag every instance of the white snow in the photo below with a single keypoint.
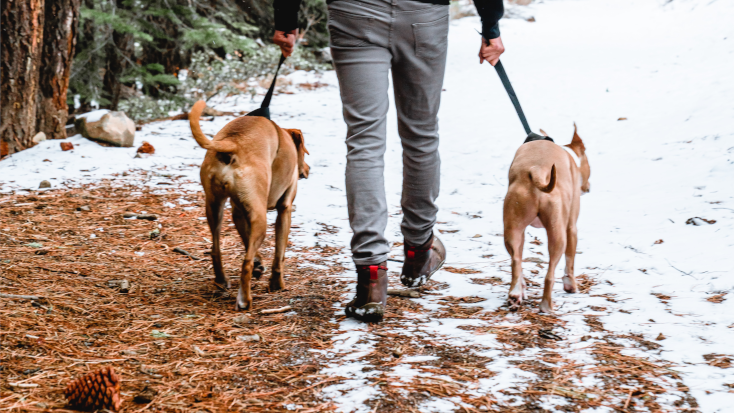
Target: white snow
[
  {"x": 94, "y": 116},
  {"x": 664, "y": 66}
]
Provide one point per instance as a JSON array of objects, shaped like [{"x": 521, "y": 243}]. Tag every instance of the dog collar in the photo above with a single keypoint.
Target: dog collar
[
  {"x": 535, "y": 137},
  {"x": 573, "y": 155}
]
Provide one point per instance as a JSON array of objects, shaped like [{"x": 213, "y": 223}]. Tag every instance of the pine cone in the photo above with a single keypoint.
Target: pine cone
[{"x": 97, "y": 390}]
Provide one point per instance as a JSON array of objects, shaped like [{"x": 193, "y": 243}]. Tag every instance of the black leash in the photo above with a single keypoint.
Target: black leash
[
  {"x": 515, "y": 102},
  {"x": 264, "y": 109}
]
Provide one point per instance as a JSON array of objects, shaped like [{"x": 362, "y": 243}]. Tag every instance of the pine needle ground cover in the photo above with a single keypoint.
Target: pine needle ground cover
[
  {"x": 108, "y": 275},
  {"x": 170, "y": 334}
]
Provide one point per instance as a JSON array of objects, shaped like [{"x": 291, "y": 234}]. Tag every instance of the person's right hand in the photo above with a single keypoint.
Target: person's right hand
[
  {"x": 286, "y": 41},
  {"x": 491, "y": 51}
]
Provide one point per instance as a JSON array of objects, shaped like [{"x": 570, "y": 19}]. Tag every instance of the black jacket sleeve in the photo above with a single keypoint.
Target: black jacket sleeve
[
  {"x": 491, "y": 11},
  {"x": 286, "y": 14}
]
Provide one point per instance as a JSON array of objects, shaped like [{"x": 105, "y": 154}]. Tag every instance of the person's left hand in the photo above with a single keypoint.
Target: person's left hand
[
  {"x": 286, "y": 41},
  {"x": 491, "y": 51}
]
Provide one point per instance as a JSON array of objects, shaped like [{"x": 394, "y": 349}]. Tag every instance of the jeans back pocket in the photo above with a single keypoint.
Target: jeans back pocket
[
  {"x": 348, "y": 29},
  {"x": 432, "y": 38}
]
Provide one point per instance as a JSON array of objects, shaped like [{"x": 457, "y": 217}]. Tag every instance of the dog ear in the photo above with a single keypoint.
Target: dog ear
[
  {"x": 297, "y": 136},
  {"x": 542, "y": 132},
  {"x": 576, "y": 140}
]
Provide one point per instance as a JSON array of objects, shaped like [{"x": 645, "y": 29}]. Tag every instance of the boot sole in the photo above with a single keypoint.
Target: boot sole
[
  {"x": 412, "y": 282},
  {"x": 368, "y": 313}
]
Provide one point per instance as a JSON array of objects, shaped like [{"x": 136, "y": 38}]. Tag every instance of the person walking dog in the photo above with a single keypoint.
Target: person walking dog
[{"x": 369, "y": 38}]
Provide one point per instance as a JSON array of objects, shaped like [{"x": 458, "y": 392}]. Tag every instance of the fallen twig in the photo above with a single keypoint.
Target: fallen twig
[
  {"x": 20, "y": 297},
  {"x": 404, "y": 293},
  {"x": 277, "y": 310},
  {"x": 186, "y": 253}
]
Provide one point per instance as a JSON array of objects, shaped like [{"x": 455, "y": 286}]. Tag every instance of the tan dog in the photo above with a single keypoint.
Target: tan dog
[
  {"x": 256, "y": 165},
  {"x": 546, "y": 182}
]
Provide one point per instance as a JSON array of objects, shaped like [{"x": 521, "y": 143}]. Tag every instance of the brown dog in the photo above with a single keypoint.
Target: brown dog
[
  {"x": 256, "y": 164},
  {"x": 546, "y": 182}
]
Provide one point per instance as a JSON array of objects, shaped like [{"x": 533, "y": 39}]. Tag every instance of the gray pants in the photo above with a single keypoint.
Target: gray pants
[{"x": 368, "y": 39}]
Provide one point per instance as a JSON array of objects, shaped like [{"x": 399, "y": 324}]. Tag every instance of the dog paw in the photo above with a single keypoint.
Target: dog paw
[
  {"x": 546, "y": 307},
  {"x": 223, "y": 285},
  {"x": 515, "y": 300},
  {"x": 258, "y": 270},
  {"x": 276, "y": 284},
  {"x": 242, "y": 303},
  {"x": 242, "y": 306},
  {"x": 569, "y": 285}
]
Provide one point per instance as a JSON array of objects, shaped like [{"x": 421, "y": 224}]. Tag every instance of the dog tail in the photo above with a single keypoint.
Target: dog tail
[
  {"x": 201, "y": 139},
  {"x": 547, "y": 188}
]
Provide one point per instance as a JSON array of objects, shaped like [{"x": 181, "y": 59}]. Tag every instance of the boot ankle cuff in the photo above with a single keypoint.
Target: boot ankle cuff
[{"x": 422, "y": 247}]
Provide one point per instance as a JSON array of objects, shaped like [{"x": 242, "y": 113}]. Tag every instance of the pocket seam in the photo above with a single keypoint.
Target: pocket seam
[
  {"x": 348, "y": 14},
  {"x": 420, "y": 48},
  {"x": 356, "y": 41},
  {"x": 431, "y": 23}
]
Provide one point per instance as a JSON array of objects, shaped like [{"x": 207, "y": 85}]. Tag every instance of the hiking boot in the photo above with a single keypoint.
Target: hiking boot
[
  {"x": 369, "y": 304},
  {"x": 422, "y": 262}
]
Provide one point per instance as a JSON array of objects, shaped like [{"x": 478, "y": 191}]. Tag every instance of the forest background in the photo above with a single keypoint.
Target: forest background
[{"x": 144, "y": 57}]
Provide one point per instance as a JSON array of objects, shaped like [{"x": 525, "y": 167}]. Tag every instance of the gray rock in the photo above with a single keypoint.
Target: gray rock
[
  {"x": 40, "y": 137},
  {"x": 114, "y": 128},
  {"x": 44, "y": 184}
]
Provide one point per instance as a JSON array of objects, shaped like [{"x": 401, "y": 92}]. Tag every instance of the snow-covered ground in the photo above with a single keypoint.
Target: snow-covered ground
[{"x": 665, "y": 66}]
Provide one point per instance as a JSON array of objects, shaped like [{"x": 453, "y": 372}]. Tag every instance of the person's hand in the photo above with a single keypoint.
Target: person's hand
[
  {"x": 286, "y": 41},
  {"x": 491, "y": 51}
]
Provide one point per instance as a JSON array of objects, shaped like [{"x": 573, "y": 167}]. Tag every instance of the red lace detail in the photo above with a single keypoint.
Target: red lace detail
[
  {"x": 373, "y": 272},
  {"x": 412, "y": 250}
]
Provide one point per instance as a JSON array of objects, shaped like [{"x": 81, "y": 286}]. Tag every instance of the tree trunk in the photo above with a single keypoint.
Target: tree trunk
[
  {"x": 59, "y": 39},
  {"x": 22, "y": 43},
  {"x": 119, "y": 52}
]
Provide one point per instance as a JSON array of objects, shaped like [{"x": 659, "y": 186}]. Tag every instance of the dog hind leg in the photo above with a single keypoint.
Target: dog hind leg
[
  {"x": 214, "y": 216},
  {"x": 569, "y": 279},
  {"x": 282, "y": 229},
  {"x": 556, "y": 247},
  {"x": 514, "y": 241},
  {"x": 243, "y": 228},
  {"x": 258, "y": 224}
]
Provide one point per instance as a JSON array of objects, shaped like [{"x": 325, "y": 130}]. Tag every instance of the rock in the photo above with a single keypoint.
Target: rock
[
  {"x": 40, "y": 137},
  {"x": 84, "y": 208},
  {"x": 44, "y": 184},
  {"x": 124, "y": 286},
  {"x": 249, "y": 337},
  {"x": 114, "y": 128},
  {"x": 242, "y": 319},
  {"x": 146, "y": 148},
  {"x": 66, "y": 146}
]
